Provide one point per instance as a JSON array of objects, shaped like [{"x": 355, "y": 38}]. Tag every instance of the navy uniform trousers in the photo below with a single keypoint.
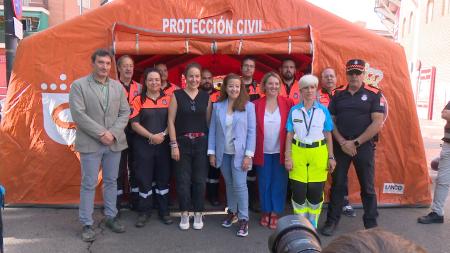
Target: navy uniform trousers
[{"x": 364, "y": 166}]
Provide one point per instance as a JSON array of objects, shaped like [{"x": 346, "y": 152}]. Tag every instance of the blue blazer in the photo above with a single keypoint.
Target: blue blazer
[{"x": 244, "y": 132}]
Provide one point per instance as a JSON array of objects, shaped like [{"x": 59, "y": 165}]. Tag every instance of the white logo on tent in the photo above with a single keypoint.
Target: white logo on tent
[
  {"x": 393, "y": 188},
  {"x": 58, "y": 123}
]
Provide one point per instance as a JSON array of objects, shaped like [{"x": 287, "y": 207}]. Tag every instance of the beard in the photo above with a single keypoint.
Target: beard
[
  {"x": 288, "y": 76},
  {"x": 208, "y": 87}
]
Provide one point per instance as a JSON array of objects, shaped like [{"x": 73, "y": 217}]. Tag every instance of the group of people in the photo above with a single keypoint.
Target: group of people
[{"x": 286, "y": 132}]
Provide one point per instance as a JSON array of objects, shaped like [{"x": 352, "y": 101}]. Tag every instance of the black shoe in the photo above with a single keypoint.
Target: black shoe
[
  {"x": 431, "y": 218},
  {"x": 88, "y": 234},
  {"x": 328, "y": 229},
  {"x": 166, "y": 219},
  {"x": 214, "y": 202},
  {"x": 370, "y": 224},
  {"x": 141, "y": 220},
  {"x": 114, "y": 225}
]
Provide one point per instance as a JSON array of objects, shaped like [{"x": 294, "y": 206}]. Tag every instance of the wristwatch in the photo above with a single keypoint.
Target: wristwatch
[{"x": 356, "y": 142}]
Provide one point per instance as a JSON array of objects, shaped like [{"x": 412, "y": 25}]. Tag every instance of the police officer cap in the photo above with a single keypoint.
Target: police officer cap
[{"x": 355, "y": 65}]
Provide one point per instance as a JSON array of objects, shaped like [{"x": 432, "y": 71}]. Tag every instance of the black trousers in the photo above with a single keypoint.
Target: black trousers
[
  {"x": 191, "y": 171},
  {"x": 152, "y": 164},
  {"x": 364, "y": 165},
  {"x": 126, "y": 180},
  {"x": 212, "y": 183}
]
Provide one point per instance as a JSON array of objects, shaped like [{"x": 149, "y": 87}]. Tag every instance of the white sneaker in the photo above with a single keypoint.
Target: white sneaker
[
  {"x": 198, "y": 221},
  {"x": 184, "y": 222}
]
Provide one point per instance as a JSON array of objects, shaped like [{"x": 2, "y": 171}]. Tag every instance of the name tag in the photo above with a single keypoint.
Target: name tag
[{"x": 298, "y": 121}]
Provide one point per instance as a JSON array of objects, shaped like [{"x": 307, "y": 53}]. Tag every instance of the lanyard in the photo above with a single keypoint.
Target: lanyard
[{"x": 308, "y": 125}]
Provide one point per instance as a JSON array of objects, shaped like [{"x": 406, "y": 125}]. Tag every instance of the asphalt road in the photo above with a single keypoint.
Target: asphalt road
[{"x": 57, "y": 230}]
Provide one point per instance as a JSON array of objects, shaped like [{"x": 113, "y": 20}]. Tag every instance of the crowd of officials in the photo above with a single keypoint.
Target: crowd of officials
[{"x": 261, "y": 137}]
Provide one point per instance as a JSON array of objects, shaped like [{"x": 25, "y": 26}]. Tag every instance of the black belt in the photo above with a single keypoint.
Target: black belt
[{"x": 312, "y": 145}]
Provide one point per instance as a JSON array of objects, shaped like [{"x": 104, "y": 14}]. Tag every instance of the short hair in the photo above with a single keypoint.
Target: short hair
[
  {"x": 122, "y": 58},
  {"x": 288, "y": 59},
  {"x": 243, "y": 98},
  {"x": 328, "y": 67},
  {"x": 159, "y": 63},
  {"x": 266, "y": 78},
  {"x": 248, "y": 58},
  {"x": 308, "y": 80},
  {"x": 206, "y": 70},
  {"x": 372, "y": 240},
  {"x": 101, "y": 52},
  {"x": 191, "y": 66}
]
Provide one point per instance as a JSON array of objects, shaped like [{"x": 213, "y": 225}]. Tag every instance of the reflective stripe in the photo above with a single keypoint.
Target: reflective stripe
[
  {"x": 314, "y": 213},
  {"x": 300, "y": 208},
  {"x": 136, "y": 189},
  {"x": 161, "y": 192},
  {"x": 145, "y": 195},
  {"x": 119, "y": 192},
  {"x": 251, "y": 178},
  {"x": 213, "y": 181}
]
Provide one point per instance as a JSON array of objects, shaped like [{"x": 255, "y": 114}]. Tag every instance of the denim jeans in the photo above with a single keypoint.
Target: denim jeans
[
  {"x": 442, "y": 180},
  {"x": 90, "y": 163},
  {"x": 236, "y": 187}
]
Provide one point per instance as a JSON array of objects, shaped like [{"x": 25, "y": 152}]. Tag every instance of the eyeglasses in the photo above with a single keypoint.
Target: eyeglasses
[
  {"x": 193, "y": 108},
  {"x": 246, "y": 66}
]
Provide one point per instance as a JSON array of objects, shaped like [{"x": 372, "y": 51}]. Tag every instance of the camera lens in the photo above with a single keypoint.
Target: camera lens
[{"x": 294, "y": 234}]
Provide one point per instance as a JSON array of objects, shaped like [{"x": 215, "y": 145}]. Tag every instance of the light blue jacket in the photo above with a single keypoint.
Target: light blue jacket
[{"x": 244, "y": 132}]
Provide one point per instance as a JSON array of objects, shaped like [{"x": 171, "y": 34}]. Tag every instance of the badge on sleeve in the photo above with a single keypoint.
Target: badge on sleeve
[
  {"x": 364, "y": 97},
  {"x": 382, "y": 101}
]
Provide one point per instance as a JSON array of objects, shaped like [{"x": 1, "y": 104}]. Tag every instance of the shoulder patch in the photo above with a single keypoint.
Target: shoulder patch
[
  {"x": 372, "y": 89},
  {"x": 338, "y": 89}
]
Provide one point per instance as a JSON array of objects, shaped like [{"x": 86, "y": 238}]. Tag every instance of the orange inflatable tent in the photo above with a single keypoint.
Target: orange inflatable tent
[{"x": 37, "y": 160}]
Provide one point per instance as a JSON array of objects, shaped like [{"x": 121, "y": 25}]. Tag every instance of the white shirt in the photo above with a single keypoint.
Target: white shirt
[
  {"x": 229, "y": 145},
  {"x": 272, "y": 123},
  {"x": 317, "y": 119}
]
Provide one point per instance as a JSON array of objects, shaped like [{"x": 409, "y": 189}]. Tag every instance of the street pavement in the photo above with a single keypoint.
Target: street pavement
[{"x": 57, "y": 229}]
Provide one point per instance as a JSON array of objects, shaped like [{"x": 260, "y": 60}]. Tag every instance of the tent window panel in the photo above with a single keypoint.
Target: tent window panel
[{"x": 219, "y": 64}]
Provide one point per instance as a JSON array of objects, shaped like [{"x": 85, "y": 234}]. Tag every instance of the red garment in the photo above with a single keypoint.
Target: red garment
[
  {"x": 284, "y": 105},
  {"x": 324, "y": 97},
  {"x": 294, "y": 93},
  {"x": 134, "y": 91}
]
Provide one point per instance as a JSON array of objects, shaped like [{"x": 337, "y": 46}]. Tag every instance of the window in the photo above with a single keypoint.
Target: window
[
  {"x": 430, "y": 7},
  {"x": 30, "y": 24},
  {"x": 86, "y": 3},
  {"x": 411, "y": 23}
]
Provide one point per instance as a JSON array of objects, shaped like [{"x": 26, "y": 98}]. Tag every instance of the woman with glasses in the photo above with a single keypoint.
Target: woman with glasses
[
  {"x": 188, "y": 119},
  {"x": 231, "y": 146},
  {"x": 152, "y": 154},
  {"x": 271, "y": 114},
  {"x": 309, "y": 151}
]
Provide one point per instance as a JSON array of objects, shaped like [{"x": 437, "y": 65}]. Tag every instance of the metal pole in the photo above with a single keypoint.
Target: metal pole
[
  {"x": 11, "y": 41},
  {"x": 81, "y": 7}
]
